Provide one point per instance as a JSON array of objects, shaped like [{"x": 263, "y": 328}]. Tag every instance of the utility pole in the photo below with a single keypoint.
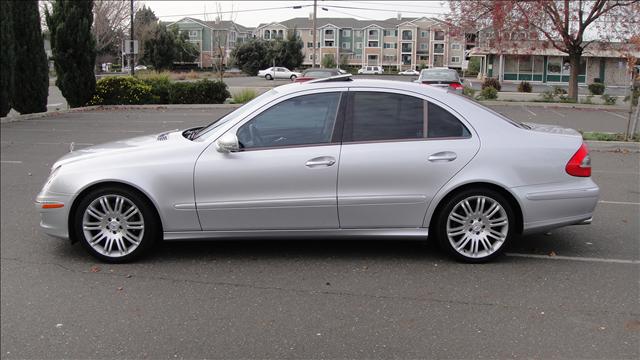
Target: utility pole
[
  {"x": 131, "y": 55},
  {"x": 315, "y": 30}
]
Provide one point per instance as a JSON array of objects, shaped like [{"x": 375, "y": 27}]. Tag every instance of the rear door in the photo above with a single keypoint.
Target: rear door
[{"x": 398, "y": 150}]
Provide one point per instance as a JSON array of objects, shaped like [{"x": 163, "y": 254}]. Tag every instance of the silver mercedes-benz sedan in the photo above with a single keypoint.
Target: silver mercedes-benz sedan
[{"x": 327, "y": 158}]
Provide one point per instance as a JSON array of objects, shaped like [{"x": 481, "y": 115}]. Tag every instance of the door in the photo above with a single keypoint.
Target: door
[
  {"x": 283, "y": 177},
  {"x": 398, "y": 150},
  {"x": 282, "y": 73}
]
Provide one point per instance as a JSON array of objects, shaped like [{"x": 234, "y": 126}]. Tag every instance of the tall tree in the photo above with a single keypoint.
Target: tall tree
[
  {"x": 252, "y": 56},
  {"x": 144, "y": 21},
  {"x": 293, "y": 57},
  {"x": 186, "y": 51},
  {"x": 160, "y": 49},
  {"x": 567, "y": 25},
  {"x": 7, "y": 57},
  {"x": 110, "y": 24},
  {"x": 74, "y": 50},
  {"x": 31, "y": 70}
]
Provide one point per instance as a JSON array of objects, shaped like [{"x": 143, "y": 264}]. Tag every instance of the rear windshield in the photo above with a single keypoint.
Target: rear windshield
[
  {"x": 444, "y": 75},
  {"x": 317, "y": 74}
]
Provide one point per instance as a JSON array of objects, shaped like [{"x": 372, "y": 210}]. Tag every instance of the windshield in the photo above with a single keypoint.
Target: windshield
[
  {"x": 439, "y": 75},
  {"x": 239, "y": 112}
]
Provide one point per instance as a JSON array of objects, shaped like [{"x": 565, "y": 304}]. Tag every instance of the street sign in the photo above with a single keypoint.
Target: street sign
[
  {"x": 129, "y": 47},
  {"x": 465, "y": 64}
]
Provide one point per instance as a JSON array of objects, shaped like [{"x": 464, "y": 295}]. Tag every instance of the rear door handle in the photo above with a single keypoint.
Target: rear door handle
[
  {"x": 443, "y": 156},
  {"x": 320, "y": 161}
]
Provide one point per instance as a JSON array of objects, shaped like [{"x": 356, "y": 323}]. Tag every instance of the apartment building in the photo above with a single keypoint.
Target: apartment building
[
  {"x": 400, "y": 43},
  {"x": 213, "y": 38}
]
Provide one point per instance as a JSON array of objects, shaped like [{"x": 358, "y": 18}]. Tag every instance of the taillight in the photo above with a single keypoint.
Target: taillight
[
  {"x": 455, "y": 86},
  {"x": 580, "y": 163}
]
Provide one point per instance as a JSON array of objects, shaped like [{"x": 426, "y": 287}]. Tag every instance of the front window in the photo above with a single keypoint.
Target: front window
[
  {"x": 455, "y": 46},
  {"x": 372, "y": 44},
  {"x": 455, "y": 59},
  {"x": 438, "y": 48},
  {"x": 406, "y": 47},
  {"x": 407, "y": 35},
  {"x": 302, "y": 120},
  {"x": 438, "y": 35},
  {"x": 346, "y": 33}
]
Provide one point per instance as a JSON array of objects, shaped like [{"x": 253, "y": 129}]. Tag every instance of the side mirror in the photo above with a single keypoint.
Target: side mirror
[{"x": 228, "y": 143}]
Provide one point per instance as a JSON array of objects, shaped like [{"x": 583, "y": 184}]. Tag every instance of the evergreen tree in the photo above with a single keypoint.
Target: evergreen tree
[
  {"x": 186, "y": 51},
  {"x": 144, "y": 21},
  {"x": 7, "y": 57},
  {"x": 293, "y": 56},
  {"x": 74, "y": 50},
  {"x": 252, "y": 56},
  {"x": 160, "y": 50},
  {"x": 31, "y": 72}
]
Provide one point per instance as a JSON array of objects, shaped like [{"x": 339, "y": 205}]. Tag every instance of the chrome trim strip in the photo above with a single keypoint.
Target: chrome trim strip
[
  {"x": 563, "y": 194},
  {"x": 268, "y": 203},
  {"x": 420, "y": 233}
]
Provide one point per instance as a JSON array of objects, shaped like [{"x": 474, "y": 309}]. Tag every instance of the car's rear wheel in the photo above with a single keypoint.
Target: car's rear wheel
[
  {"x": 268, "y": 77},
  {"x": 475, "y": 225},
  {"x": 116, "y": 224}
]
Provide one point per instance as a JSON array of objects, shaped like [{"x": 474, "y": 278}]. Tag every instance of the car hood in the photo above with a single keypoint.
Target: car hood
[{"x": 128, "y": 146}]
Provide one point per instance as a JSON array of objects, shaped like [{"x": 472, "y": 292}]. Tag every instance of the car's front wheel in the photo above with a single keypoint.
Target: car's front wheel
[
  {"x": 116, "y": 224},
  {"x": 293, "y": 78},
  {"x": 475, "y": 225},
  {"x": 268, "y": 77}
]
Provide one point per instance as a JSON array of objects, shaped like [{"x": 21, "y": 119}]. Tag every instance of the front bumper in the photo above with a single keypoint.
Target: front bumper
[{"x": 54, "y": 221}]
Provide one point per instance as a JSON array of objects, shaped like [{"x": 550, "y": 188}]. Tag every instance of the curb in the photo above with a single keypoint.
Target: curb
[
  {"x": 10, "y": 119},
  {"x": 554, "y": 105},
  {"x": 615, "y": 146}
]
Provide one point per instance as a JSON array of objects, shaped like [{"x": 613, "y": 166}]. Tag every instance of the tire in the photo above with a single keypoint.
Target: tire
[
  {"x": 469, "y": 221},
  {"x": 115, "y": 224},
  {"x": 293, "y": 78},
  {"x": 268, "y": 77}
]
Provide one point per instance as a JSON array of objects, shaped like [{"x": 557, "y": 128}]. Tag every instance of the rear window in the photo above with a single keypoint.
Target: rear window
[
  {"x": 439, "y": 75},
  {"x": 318, "y": 74}
]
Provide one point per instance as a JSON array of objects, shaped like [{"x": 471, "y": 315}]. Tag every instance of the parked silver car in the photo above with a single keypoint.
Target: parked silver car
[{"x": 325, "y": 158}]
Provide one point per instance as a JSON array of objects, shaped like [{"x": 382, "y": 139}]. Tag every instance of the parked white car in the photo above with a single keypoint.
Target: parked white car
[
  {"x": 278, "y": 73},
  {"x": 409, "y": 72},
  {"x": 371, "y": 70}
]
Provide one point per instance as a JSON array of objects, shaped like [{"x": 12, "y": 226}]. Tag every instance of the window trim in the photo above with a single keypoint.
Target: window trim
[{"x": 348, "y": 118}]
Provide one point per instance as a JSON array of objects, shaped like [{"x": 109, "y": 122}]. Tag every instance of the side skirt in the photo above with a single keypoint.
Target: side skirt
[{"x": 367, "y": 234}]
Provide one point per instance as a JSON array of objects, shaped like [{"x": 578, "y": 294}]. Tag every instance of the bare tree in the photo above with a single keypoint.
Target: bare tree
[
  {"x": 111, "y": 20},
  {"x": 566, "y": 25},
  {"x": 220, "y": 38}
]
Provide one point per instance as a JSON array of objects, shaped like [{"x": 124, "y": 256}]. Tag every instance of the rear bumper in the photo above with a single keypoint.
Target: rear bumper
[{"x": 550, "y": 206}]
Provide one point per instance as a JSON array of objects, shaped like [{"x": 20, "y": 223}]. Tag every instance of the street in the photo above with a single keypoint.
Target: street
[{"x": 572, "y": 293}]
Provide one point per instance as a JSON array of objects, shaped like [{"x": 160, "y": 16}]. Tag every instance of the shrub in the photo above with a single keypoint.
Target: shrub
[
  {"x": 548, "y": 96},
  {"x": 559, "y": 91},
  {"x": 588, "y": 100},
  {"x": 470, "y": 92},
  {"x": 489, "y": 93},
  {"x": 491, "y": 82},
  {"x": 609, "y": 100},
  {"x": 635, "y": 94},
  {"x": 596, "y": 88},
  {"x": 199, "y": 92},
  {"x": 160, "y": 85},
  {"x": 244, "y": 96},
  {"x": 524, "y": 86},
  {"x": 121, "y": 90}
]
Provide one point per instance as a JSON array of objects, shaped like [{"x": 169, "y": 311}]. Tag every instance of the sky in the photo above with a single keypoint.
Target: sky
[{"x": 242, "y": 14}]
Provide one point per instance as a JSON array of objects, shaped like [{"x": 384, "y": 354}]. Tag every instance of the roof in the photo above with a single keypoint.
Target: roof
[
  {"x": 217, "y": 25},
  {"x": 305, "y": 23},
  {"x": 544, "y": 48}
]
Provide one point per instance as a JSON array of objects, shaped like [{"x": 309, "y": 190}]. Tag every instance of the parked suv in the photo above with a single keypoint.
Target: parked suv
[{"x": 371, "y": 70}]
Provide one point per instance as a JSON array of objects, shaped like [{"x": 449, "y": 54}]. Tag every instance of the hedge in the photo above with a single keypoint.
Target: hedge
[{"x": 127, "y": 90}]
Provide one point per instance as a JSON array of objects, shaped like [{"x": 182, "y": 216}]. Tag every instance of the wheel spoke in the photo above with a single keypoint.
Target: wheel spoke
[
  {"x": 134, "y": 225},
  {"x": 486, "y": 243},
  {"x": 498, "y": 222},
  {"x": 105, "y": 204},
  {"x": 456, "y": 231},
  {"x": 92, "y": 227},
  {"x": 91, "y": 210},
  {"x": 131, "y": 238},
  {"x": 480, "y": 205},
  {"x": 466, "y": 207},
  {"x": 496, "y": 235},
  {"x": 97, "y": 238},
  {"x": 457, "y": 218},
  {"x": 118, "y": 206},
  {"x": 494, "y": 211},
  {"x": 462, "y": 243},
  {"x": 130, "y": 212}
]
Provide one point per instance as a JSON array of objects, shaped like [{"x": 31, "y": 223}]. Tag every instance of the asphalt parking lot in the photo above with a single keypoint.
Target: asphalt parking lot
[{"x": 573, "y": 293}]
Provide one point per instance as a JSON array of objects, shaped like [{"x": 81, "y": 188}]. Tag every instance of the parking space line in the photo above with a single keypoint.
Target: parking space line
[
  {"x": 556, "y": 112},
  {"x": 10, "y": 162},
  {"x": 574, "y": 258},
  {"x": 618, "y": 202},
  {"x": 614, "y": 114},
  {"x": 530, "y": 112}
]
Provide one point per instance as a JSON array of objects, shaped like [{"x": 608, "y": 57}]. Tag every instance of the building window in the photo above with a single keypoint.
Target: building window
[
  {"x": 346, "y": 33},
  {"x": 423, "y": 46},
  {"x": 297, "y": 33},
  {"x": 406, "y": 59},
  {"x": 407, "y": 47},
  {"x": 328, "y": 44},
  {"x": 267, "y": 34},
  {"x": 358, "y": 45},
  {"x": 455, "y": 46},
  {"x": 438, "y": 35},
  {"x": 389, "y": 32},
  {"x": 438, "y": 48},
  {"x": 424, "y": 34},
  {"x": 373, "y": 44},
  {"x": 455, "y": 59},
  {"x": 407, "y": 35},
  {"x": 311, "y": 57},
  {"x": 193, "y": 33},
  {"x": 388, "y": 45},
  {"x": 280, "y": 34},
  {"x": 328, "y": 34},
  {"x": 358, "y": 33},
  {"x": 374, "y": 34},
  {"x": 358, "y": 56},
  {"x": 309, "y": 44},
  {"x": 345, "y": 45}
]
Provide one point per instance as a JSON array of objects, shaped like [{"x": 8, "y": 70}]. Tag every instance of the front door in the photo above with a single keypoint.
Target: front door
[
  {"x": 398, "y": 150},
  {"x": 283, "y": 177}
]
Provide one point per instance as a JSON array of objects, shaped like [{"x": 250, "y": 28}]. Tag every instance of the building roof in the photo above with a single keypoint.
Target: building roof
[
  {"x": 306, "y": 23},
  {"x": 539, "y": 47}
]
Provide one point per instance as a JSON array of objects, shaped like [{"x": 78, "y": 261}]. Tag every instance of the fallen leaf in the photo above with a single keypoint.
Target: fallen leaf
[
  {"x": 552, "y": 253},
  {"x": 95, "y": 269},
  {"x": 120, "y": 288}
]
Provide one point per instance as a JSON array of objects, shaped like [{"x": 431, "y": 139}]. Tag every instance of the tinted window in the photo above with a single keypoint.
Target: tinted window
[
  {"x": 306, "y": 119},
  {"x": 442, "y": 123},
  {"x": 385, "y": 116}
]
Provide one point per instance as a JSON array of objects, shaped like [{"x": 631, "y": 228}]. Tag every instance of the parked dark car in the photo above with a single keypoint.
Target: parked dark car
[{"x": 446, "y": 78}]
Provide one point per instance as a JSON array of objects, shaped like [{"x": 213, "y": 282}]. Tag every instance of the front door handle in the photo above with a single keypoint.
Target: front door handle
[
  {"x": 320, "y": 161},
  {"x": 443, "y": 156}
]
